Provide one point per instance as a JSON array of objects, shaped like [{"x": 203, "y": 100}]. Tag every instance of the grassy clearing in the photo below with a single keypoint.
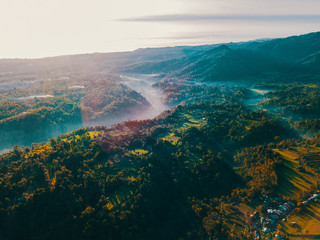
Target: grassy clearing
[
  {"x": 311, "y": 85},
  {"x": 172, "y": 138},
  {"x": 43, "y": 148},
  {"x": 187, "y": 121},
  {"x": 139, "y": 152},
  {"x": 70, "y": 137},
  {"x": 191, "y": 121},
  {"x": 235, "y": 219},
  {"x": 292, "y": 182},
  {"x": 313, "y": 160},
  {"x": 308, "y": 150},
  {"x": 246, "y": 208},
  {"x": 75, "y": 137},
  {"x": 308, "y": 223},
  {"x": 94, "y": 134},
  {"x": 311, "y": 155}
]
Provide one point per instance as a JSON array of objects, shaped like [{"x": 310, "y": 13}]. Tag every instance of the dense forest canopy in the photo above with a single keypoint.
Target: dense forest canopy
[{"x": 235, "y": 155}]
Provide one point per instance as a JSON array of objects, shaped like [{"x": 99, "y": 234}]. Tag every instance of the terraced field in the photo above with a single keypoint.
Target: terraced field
[
  {"x": 293, "y": 182},
  {"x": 307, "y": 223},
  {"x": 312, "y": 159}
]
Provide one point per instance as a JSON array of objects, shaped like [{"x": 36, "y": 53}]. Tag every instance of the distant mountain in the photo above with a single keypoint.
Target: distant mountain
[
  {"x": 260, "y": 56},
  {"x": 293, "y": 49},
  {"x": 228, "y": 161},
  {"x": 234, "y": 61},
  {"x": 224, "y": 63},
  {"x": 217, "y": 64},
  {"x": 87, "y": 64}
]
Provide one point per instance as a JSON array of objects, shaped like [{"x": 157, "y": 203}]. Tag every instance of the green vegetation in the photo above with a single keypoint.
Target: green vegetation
[
  {"x": 307, "y": 223},
  {"x": 294, "y": 179},
  {"x": 130, "y": 169},
  {"x": 228, "y": 160},
  {"x": 208, "y": 162},
  {"x": 46, "y": 110}
]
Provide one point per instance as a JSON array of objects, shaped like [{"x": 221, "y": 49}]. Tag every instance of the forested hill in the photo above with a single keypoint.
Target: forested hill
[
  {"x": 242, "y": 61},
  {"x": 302, "y": 49},
  {"x": 197, "y": 171},
  {"x": 40, "y": 110},
  {"x": 234, "y": 156},
  {"x": 152, "y": 178},
  {"x": 295, "y": 48}
]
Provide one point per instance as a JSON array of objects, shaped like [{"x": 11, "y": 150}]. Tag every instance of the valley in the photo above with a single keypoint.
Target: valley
[
  {"x": 143, "y": 85},
  {"x": 205, "y": 142}
]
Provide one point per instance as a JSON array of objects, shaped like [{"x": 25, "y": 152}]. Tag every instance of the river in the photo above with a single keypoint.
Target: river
[{"x": 142, "y": 83}]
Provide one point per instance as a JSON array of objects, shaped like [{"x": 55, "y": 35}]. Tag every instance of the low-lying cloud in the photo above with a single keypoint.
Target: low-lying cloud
[{"x": 193, "y": 18}]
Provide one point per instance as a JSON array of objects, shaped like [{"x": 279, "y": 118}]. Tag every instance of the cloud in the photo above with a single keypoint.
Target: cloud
[{"x": 199, "y": 18}]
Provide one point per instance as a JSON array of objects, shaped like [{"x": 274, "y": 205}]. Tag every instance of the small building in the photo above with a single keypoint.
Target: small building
[
  {"x": 270, "y": 211},
  {"x": 265, "y": 230}
]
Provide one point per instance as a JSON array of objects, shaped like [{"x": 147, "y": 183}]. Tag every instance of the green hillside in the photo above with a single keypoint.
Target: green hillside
[{"x": 234, "y": 154}]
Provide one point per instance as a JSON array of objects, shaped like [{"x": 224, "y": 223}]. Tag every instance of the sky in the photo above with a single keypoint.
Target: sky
[{"x": 40, "y": 28}]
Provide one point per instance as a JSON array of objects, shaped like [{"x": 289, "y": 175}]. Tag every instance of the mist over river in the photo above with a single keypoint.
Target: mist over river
[{"x": 142, "y": 83}]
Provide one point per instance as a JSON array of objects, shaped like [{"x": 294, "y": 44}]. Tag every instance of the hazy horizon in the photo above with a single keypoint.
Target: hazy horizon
[
  {"x": 164, "y": 46},
  {"x": 37, "y": 29}
]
